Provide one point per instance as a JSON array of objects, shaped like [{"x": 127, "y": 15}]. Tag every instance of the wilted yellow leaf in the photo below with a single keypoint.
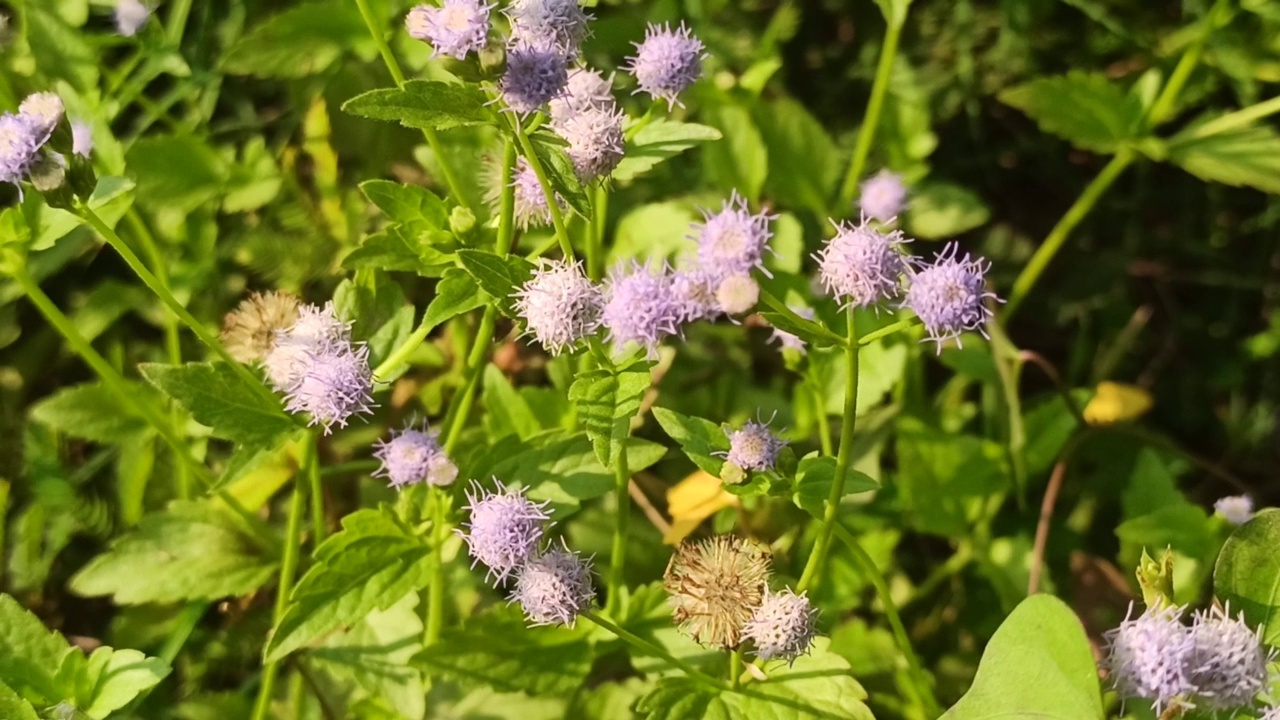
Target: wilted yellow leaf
[
  {"x": 693, "y": 500},
  {"x": 1116, "y": 402}
]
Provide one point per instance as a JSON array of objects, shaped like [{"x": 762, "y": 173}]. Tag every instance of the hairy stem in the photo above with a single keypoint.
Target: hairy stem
[
  {"x": 435, "y": 591},
  {"x": 735, "y": 668},
  {"x": 311, "y": 462},
  {"x": 622, "y": 516},
  {"x": 871, "y": 119},
  {"x": 595, "y": 234},
  {"x": 535, "y": 164},
  {"x": 288, "y": 569}
]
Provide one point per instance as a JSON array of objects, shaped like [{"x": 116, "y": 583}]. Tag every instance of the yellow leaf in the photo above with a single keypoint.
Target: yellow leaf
[
  {"x": 1117, "y": 402},
  {"x": 693, "y": 500}
]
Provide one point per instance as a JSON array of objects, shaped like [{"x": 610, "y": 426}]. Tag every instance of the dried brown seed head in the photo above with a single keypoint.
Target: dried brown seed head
[{"x": 715, "y": 586}]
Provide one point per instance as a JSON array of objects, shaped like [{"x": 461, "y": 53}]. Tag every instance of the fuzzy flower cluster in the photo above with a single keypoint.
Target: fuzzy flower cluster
[
  {"x": 883, "y": 196},
  {"x": 667, "y": 62},
  {"x": 1217, "y": 662},
  {"x": 456, "y": 28},
  {"x": 1235, "y": 509},
  {"x": 415, "y": 456},
  {"x": 131, "y": 15},
  {"x": 560, "y": 306},
  {"x": 720, "y": 597},
  {"x": 862, "y": 266},
  {"x": 546, "y": 36},
  {"x": 24, "y": 134},
  {"x": 319, "y": 369},
  {"x": 950, "y": 295},
  {"x": 249, "y": 331},
  {"x": 552, "y": 586},
  {"x": 753, "y": 447}
]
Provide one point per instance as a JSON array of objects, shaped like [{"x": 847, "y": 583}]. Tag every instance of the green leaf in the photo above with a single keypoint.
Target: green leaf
[
  {"x": 815, "y": 477},
  {"x": 1248, "y": 574},
  {"x": 1084, "y": 108},
  {"x": 536, "y": 660},
  {"x": 700, "y": 439},
  {"x": 424, "y": 104},
  {"x": 742, "y": 160},
  {"x": 91, "y": 412},
  {"x": 303, "y": 40},
  {"x": 1037, "y": 665},
  {"x": 176, "y": 186},
  {"x": 946, "y": 478},
  {"x": 804, "y": 163},
  {"x": 408, "y": 248},
  {"x": 498, "y": 276},
  {"x": 191, "y": 551},
  {"x": 940, "y": 210},
  {"x": 807, "y": 330},
  {"x": 508, "y": 413},
  {"x": 1245, "y": 157},
  {"x": 368, "y": 566},
  {"x": 30, "y": 654},
  {"x": 110, "y": 199},
  {"x": 217, "y": 397},
  {"x": 109, "y": 679},
  {"x": 658, "y": 141},
  {"x": 682, "y": 698},
  {"x": 560, "y": 173},
  {"x": 652, "y": 232},
  {"x": 13, "y": 707},
  {"x": 606, "y": 400},
  {"x": 375, "y": 655},
  {"x": 381, "y": 314},
  {"x": 456, "y": 293},
  {"x": 407, "y": 204}
]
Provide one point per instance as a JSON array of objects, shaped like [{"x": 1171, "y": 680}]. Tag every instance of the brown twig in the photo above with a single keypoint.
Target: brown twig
[
  {"x": 650, "y": 512},
  {"x": 1046, "y": 510}
]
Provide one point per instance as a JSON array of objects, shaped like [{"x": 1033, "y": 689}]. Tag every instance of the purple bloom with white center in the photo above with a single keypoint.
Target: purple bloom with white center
[
  {"x": 883, "y": 196},
  {"x": 414, "y": 456},
  {"x": 641, "y": 307},
  {"x": 131, "y": 15},
  {"x": 1147, "y": 657},
  {"x": 862, "y": 266},
  {"x": 536, "y": 73},
  {"x": 1226, "y": 661},
  {"x": 505, "y": 528},
  {"x": 81, "y": 138},
  {"x": 950, "y": 295},
  {"x": 789, "y": 341},
  {"x": 585, "y": 90},
  {"x": 595, "y": 142},
  {"x": 554, "y": 587},
  {"x": 667, "y": 62},
  {"x": 559, "y": 305},
  {"x": 335, "y": 383},
  {"x": 737, "y": 294},
  {"x": 1235, "y": 509},
  {"x": 456, "y": 28},
  {"x": 530, "y": 201},
  {"x": 753, "y": 447},
  {"x": 315, "y": 331},
  {"x": 554, "y": 22},
  {"x": 20, "y": 144},
  {"x": 694, "y": 289},
  {"x": 733, "y": 240},
  {"x": 783, "y": 626},
  {"x": 44, "y": 111}
]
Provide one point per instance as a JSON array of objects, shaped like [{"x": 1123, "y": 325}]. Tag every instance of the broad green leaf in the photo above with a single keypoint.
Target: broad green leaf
[
  {"x": 945, "y": 478},
  {"x": 381, "y": 314},
  {"x": 30, "y": 653},
  {"x": 191, "y": 551},
  {"x": 807, "y": 330},
  {"x": 110, "y": 199},
  {"x": 407, "y": 204},
  {"x": 498, "y": 276},
  {"x": 658, "y": 141},
  {"x": 14, "y": 707},
  {"x": 538, "y": 660},
  {"x": 303, "y": 40},
  {"x": 217, "y": 397},
  {"x": 424, "y": 104},
  {"x": 507, "y": 411},
  {"x": 368, "y": 566},
  {"x": 815, "y": 477},
  {"x": 657, "y": 231},
  {"x": 60, "y": 50},
  {"x": 1245, "y": 157},
  {"x": 176, "y": 186},
  {"x": 818, "y": 684},
  {"x": 456, "y": 293},
  {"x": 702, "y": 440},
  {"x": 742, "y": 160},
  {"x": 561, "y": 174},
  {"x": 606, "y": 400},
  {"x": 804, "y": 163},
  {"x": 940, "y": 210},
  {"x": 403, "y": 247},
  {"x": 1086, "y": 109},
  {"x": 375, "y": 655},
  {"x": 682, "y": 698},
  {"x": 1248, "y": 574},
  {"x": 109, "y": 679},
  {"x": 91, "y": 412},
  {"x": 1037, "y": 665}
]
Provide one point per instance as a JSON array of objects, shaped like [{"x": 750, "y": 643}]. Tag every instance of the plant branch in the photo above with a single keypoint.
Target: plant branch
[
  {"x": 288, "y": 569},
  {"x": 871, "y": 119}
]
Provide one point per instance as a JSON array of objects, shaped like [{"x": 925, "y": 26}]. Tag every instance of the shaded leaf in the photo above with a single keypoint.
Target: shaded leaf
[
  {"x": 606, "y": 400},
  {"x": 407, "y": 204},
  {"x": 424, "y": 104},
  {"x": 702, "y": 440},
  {"x": 658, "y": 141},
  {"x": 816, "y": 475},
  {"x": 1248, "y": 574},
  {"x": 303, "y": 40},
  {"x": 1085, "y": 108},
  {"x": 456, "y": 293},
  {"x": 92, "y": 412},
  {"x": 498, "y": 276},
  {"x": 217, "y": 397},
  {"x": 1245, "y": 157}
]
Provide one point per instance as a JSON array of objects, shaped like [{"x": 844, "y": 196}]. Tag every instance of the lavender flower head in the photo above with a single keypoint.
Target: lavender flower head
[
  {"x": 862, "y": 266},
  {"x": 44, "y": 111},
  {"x": 595, "y": 141},
  {"x": 1227, "y": 663},
  {"x": 1147, "y": 657},
  {"x": 753, "y": 447},
  {"x": 20, "y": 144},
  {"x": 335, "y": 383},
  {"x": 1235, "y": 509},
  {"x": 667, "y": 62},
  {"x": 505, "y": 529},
  {"x": 536, "y": 73},
  {"x": 554, "y": 587},
  {"x": 456, "y": 28},
  {"x": 131, "y": 15},
  {"x": 789, "y": 341},
  {"x": 585, "y": 90},
  {"x": 556, "y": 22},
  {"x": 883, "y": 196},
  {"x": 694, "y": 289},
  {"x": 733, "y": 240},
  {"x": 81, "y": 138},
  {"x": 737, "y": 294},
  {"x": 315, "y": 330},
  {"x": 559, "y": 305},
  {"x": 414, "y": 456},
  {"x": 783, "y": 626},
  {"x": 641, "y": 307},
  {"x": 950, "y": 295}
]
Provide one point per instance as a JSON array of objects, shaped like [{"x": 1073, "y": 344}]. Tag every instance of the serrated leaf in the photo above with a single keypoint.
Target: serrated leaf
[
  {"x": 407, "y": 204},
  {"x": 409, "y": 248},
  {"x": 508, "y": 413},
  {"x": 424, "y": 104},
  {"x": 109, "y": 679},
  {"x": 371, "y": 564},
  {"x": 1085, "y": 108},
  {"x": 807, "y": 330},
  {"x": 375, "y": 654},
  {"x": 303, "y": 40},
  {"x": 456, "y": 293},
  {"x": 606, "y": 400},
  {"x": 804, "y": 164},
  {"x": 702, "y": 440},
  {"x": 1245, "y": 157},
  {"x": 1248, "y": 574},
  {"x": 217, "y": 397},
  {"x": 682, "y": 698},
  {"x": 30, "y": 653},
  {"x": 177, "y": 186},
  {"x": 92, "y": 412},
  {"x": 657, "y": 141},
  {"x": 498, "y": 276},
  {"x": 14, "y": 707},
  {"x": 191, "y": 551},
  {"x": 381, "y": 314},
  {"x": 560, "y": 173},
  {"x": 816, "y": 475}
]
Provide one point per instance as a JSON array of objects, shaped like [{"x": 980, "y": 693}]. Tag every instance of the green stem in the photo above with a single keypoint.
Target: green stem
[
  {"x": 311, "y": 462},
  {"x": 824, "y": 424},
  {"x": 844, "y": 457},
  {"x": 872, "y": 573},
  {"x": 595, "y": 235},
  {"x": 888, "y": 330},
  {"x": 288, "y": 569},
  {"x": 776, "y": 305},
  {"x": 1232, "y": 121},
  {"x": 622, "y": 516},
  {"x": 440, "y": 501},
  {"x": 735, "y": 668},
  {"x": 177, "y": 21},
  {"x": 557, "y": 216},
  {"x": 655, "y": 650},
  {"x": 871, "y": 119},
  {"x": 355, "y": 466},
  {"x": 458, "y": 413},
  {"x": 186, "y": 623},
  {"x": 1163, "y": 106}
]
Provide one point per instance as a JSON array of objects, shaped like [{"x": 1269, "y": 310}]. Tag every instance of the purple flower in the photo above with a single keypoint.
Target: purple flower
[
  {"x": 1270, "y": 713},
  {"x": 641, "y": 307},
  {"x": 1147, "y": 657},
  {"x": 559, "y": 305},
  {"x": 530, "y": 201},
  {"x": 783, "y": 626},
  {"x": 883, "y": 196},
  {"x": 789, "y": 341},
  {"x": 413, "y": 456},
  {"x": 861, "y": 266},
  {"x": 548, "y": 22},
  {"x": 1235, "y": 509},
  {"x": 456, "y": 28},
  {"x": 553, "y": 588},
  {"x": 733, "y": 240},
  {"x": 694, "y": 290},
  {"x": 81, "y": 138},
  {"x": 505, "y": 529},
  {"x": 950, "y": 295},
  {"x": 131, "y": 15},
  {"x": 1226, "y": 660},
  {"x": 667, "y": 62},
  {"x": 737, "y": 294},
  {"x": 43, "y": 110},
  {"x": 333, "y": 384},
  {"x": 315, "y": 330},
  {"x": 536, "y": 73},
  {"x": 753, "y": 447},
  {"x": 585, "y": 90},
  {"x": 20, "y": 144},
  {"x": 595, "y": 142}
]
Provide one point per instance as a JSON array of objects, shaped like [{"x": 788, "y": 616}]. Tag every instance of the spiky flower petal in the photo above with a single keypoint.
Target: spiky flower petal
[
  {"x": 334, "y": 383},
  {"x": 1235, "y": 509},
  {"x": 553, "y": 588},
  {"x": 641, "y": 307},
  {"x": 862, "y": 266},
  {"x": 950, "y": 296},
  {"x": 595, "y": 141},
  {"x": 1226, "y": 662},
  {"x": 1147, "y": 657},
  {"x": 715, "y": 587},
  {"x": 585, "y": 90},
  {"x": 733, "y": 240},
  {"x": 667, "y": 62},
  {"x": 548, "y": 22},
  {"x": 753, "y": 447},
  {"x": 536, "y": 73},
  {"x": 456, "y": 28},
  {"x": 249, "y": 331},
  {"x": 20, "y": 144},
  {"x": 883, "y": 196},
  {"x": 291, "y": 351},
  {"x": 559, "y": 305},
  {"x": 505, "y": 528},
  {"x": 694, "y": 290},
  {"x": 415, "y": 456},
  {"x": 783, "y": 626}
]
